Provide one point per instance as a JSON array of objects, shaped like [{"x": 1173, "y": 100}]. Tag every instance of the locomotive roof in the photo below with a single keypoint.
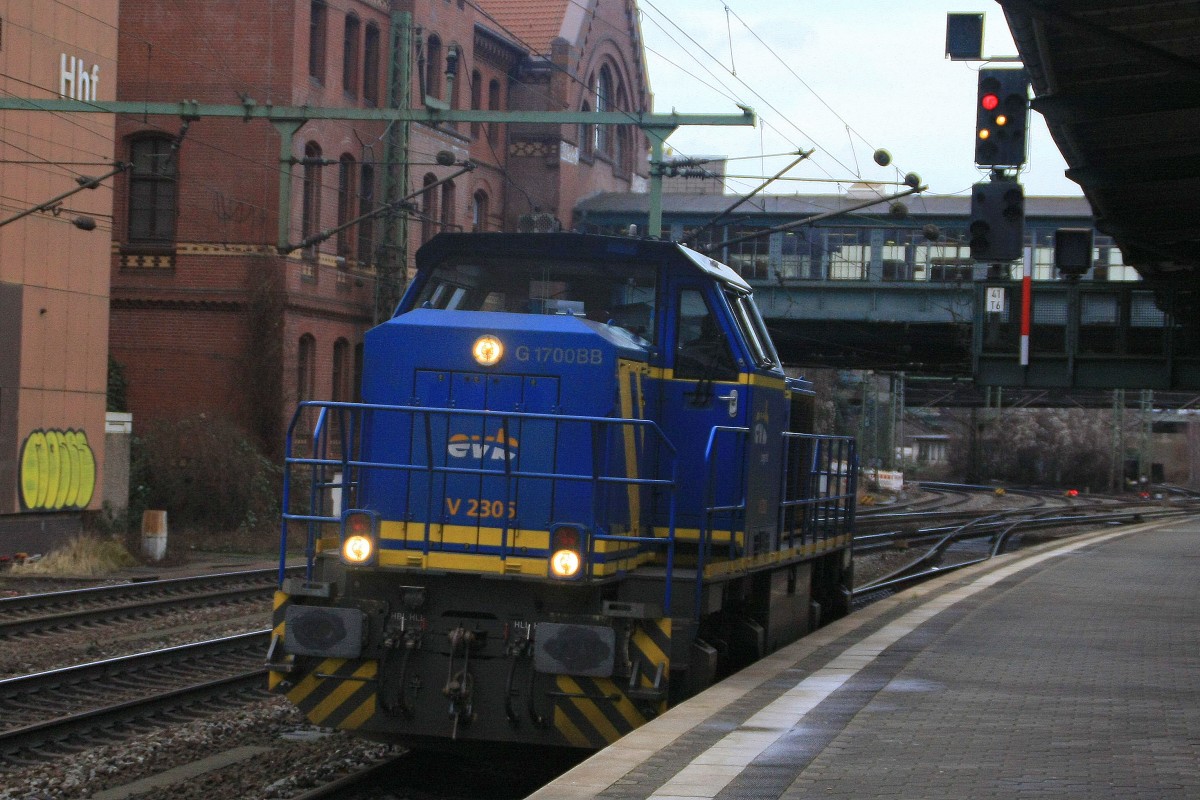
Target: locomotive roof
[{"x": 573, "y": 245}]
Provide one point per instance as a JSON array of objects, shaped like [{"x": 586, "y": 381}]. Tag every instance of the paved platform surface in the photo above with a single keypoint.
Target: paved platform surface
[{"x": 1071, "y": 670}]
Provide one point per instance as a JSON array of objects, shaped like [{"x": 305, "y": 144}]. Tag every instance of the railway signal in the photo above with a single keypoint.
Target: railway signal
[
  {"x": 1001, "y": 117},
  {"x": 997, "y": 226}
]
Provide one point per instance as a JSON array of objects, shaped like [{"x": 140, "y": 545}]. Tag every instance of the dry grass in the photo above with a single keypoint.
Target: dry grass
[{"x": 83, "y": 556}]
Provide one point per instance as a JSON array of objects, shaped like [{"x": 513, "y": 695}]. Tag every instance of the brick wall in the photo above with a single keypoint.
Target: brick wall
[{"x": 212, "y": 322}]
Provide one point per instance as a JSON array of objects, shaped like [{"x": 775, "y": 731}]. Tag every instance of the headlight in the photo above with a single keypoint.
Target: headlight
[
  {"x": 564, "y": 563},
  {"x": 487, "y": 350},
  {"x": 357, "y": 549},
  {"x": 359, "y": 532},
  {"x": 566, "y": 557}
]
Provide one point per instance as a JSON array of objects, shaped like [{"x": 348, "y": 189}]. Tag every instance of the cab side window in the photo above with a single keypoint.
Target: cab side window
[{"x": 701, "y": 349}]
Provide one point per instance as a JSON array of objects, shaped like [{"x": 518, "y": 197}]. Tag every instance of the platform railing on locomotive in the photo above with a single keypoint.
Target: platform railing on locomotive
[{"x": 366, "y": 549}]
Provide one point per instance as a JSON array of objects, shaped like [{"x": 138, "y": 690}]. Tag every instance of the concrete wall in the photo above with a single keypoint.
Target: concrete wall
[{"x": 54, "y": 276}]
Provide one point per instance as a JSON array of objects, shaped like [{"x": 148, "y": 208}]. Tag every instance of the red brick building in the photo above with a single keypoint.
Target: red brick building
[{"x": 208, "y": 314}]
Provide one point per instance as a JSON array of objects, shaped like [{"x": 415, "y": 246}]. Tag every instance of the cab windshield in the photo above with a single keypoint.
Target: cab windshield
[{"x": 609, "y": 293}]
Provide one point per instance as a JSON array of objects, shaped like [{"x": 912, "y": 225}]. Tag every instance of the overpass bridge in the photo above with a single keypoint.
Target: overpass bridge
[{"x": 898, "y": 291}]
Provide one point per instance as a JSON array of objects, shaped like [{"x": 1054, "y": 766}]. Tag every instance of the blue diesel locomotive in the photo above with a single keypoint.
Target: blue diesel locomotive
[{"x": 578, "y": 488}]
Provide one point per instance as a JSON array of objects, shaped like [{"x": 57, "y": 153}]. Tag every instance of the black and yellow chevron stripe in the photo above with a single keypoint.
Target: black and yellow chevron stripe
[
  {"x": 281, "y": 601},
  {"x": 338, "y": 693},
  {"x": 595, "y": 712},
  {"x": 651, "y": 645}
]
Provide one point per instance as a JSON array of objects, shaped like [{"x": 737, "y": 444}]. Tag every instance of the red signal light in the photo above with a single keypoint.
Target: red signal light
[
  {"x": 566, "y": 538},
  {"x": 358, "y": 524},
  {"x": 989, "y": 101}
]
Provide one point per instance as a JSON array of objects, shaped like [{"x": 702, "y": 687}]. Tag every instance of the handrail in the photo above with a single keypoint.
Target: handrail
[
  {"x": 709, "y": 510},
  {"x": 818, "y": 504},
  {"x": 421, "y": 419}
]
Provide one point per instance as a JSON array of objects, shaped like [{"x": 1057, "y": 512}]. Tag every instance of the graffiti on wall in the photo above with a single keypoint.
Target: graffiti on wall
[{"x": 58, "y": 470}]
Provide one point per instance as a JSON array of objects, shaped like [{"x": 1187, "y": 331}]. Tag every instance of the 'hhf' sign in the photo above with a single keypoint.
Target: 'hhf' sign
[{"x": 75, "y": 81}]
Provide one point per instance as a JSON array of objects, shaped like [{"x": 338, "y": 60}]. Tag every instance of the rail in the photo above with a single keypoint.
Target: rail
[{"x": 999, "y": 527}]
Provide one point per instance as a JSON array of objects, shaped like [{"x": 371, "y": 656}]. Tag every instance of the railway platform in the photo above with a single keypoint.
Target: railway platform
[{"x": 1067, "y": 670}]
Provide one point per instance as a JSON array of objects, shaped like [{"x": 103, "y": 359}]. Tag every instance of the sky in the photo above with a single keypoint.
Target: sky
[{"x": 846, "y": 77}]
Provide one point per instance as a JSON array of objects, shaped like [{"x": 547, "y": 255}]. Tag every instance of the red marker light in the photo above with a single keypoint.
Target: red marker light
[{"x": 989, "y": 101}]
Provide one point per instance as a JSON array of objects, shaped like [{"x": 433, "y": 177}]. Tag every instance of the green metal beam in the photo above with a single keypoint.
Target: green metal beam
[
  {"x": 287, "y": 129},
  {"x": 250, "y": 109},
  {"x": 290, "y": 118}
]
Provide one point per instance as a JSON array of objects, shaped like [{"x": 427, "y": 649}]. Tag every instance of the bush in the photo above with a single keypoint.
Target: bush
[{"x": 206, "y": 472}]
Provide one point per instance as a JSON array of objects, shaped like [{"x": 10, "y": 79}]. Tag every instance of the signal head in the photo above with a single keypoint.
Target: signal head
[{"x": 1001, "y": 117}]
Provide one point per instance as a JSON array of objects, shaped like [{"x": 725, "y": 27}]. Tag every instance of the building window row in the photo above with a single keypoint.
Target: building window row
[
  {"x": 883, "y": 254},
  {"x": 344, "y": 377},
  {"x": 491, "y": 129},
  {"x": 355, "y": 199},
  {"x": 438, "y": 209},
  {"x": 360, "y": 52}
]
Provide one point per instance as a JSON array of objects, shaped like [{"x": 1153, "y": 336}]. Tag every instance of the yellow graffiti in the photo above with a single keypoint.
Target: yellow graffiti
[{"x": 58, "y": 470}]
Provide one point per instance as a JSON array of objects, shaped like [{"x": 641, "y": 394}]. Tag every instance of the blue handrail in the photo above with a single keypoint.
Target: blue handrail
[{"x": 321, "y": 461}]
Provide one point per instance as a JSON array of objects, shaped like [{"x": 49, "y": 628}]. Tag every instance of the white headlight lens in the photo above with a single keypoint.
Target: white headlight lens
[
  {"x": 357, "y": 549},
  {"x": 564, "y": 563},
  {"x": 487, "y": 350}
]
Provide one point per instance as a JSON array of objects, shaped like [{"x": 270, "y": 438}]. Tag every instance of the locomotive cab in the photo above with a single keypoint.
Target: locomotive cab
[{"x": 571, "y": 494}]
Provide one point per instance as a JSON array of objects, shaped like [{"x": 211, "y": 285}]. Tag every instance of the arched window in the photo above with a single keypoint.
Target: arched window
[
  {"x": 316, "y": 39},
  {"x": 370, "y": 90},
  {"x": 356, "y": 379},
  {"x": 341, "y": 371},
  {"x": 603, "y": 96},
  {"x": 493, "y": 130},
  {"x": 433, "y": 66},
  {"x": 453, "y": 56},
  {"x": 621, "y": 150},
  {"x": 585, "y": 133},
  {"x": 350, "y": 56},
  {"x": 306, "y": 363},
  {"x": 347, "y": 173},
  {"x": 479, "y": 212},
  {"x": 366, "y": 204},
  {"x": 152, "y": 190},
  {"x": 429, "y": 208},
  {"x": 476, "y": 99},
  {"x": 310, "y": 218},
  {"x": 448, "y": 220}
]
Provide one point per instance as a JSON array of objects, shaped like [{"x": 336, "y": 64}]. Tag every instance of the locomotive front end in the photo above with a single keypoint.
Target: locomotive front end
[{"x": 471, "y": 520}]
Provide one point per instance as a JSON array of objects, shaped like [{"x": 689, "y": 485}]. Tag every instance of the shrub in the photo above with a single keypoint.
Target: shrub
[{"x": 206, "y": 472}]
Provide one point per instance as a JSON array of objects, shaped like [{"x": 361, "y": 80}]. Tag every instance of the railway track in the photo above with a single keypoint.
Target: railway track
[
  {"x": 75, "y": 608},
  {"x": 44, "y": 714},
  {"x": 953, "y": 546},
  {"x": 51, "y": 715}
]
